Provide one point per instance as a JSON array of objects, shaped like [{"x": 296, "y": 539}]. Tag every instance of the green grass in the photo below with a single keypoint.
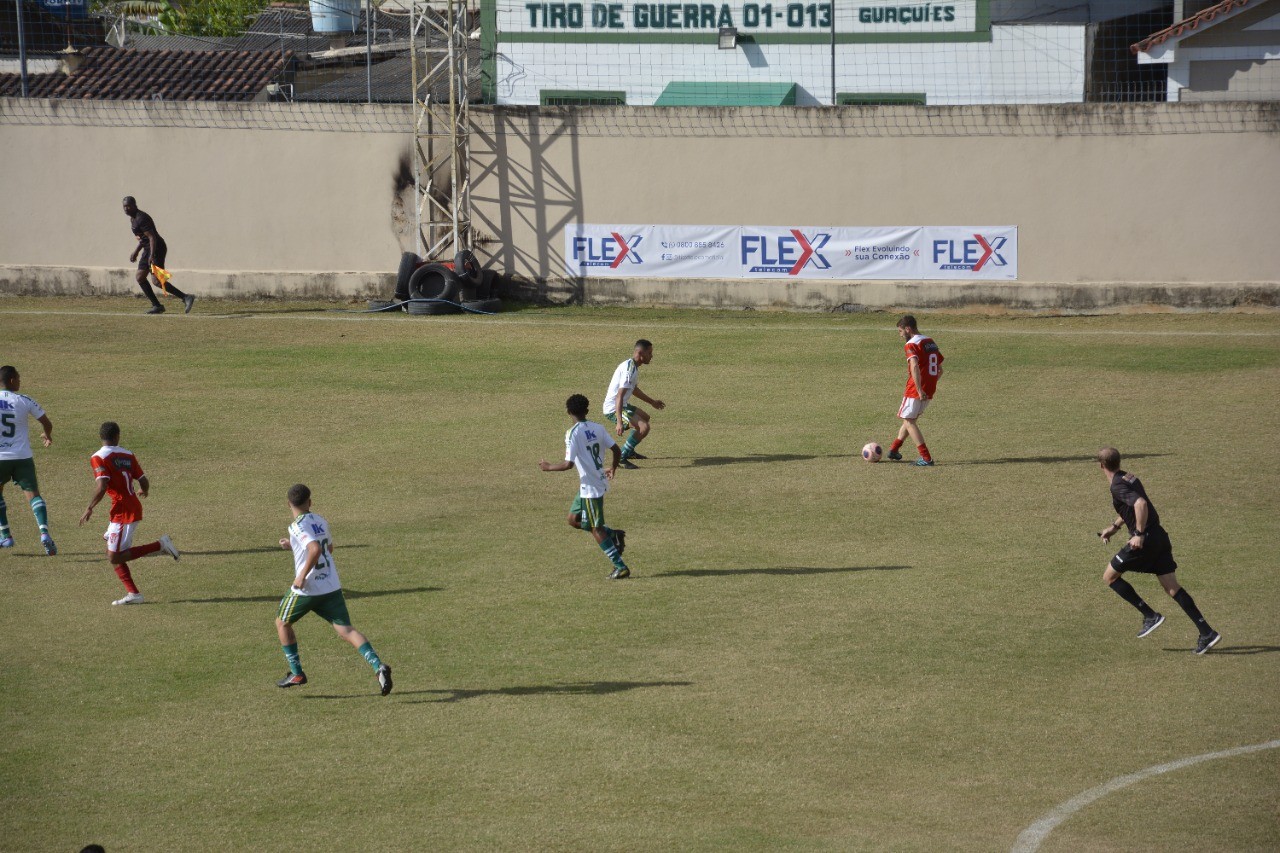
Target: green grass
[{"x": 813, "y": 653}]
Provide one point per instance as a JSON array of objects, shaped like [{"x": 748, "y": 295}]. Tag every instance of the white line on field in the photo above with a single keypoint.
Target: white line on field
[
  {"x": 334, "y": 316},
  {"x": 1033, "y": 836}
]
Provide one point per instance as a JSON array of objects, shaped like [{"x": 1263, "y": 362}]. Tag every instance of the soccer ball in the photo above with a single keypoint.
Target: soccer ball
[{"x": 872, "y": 451}]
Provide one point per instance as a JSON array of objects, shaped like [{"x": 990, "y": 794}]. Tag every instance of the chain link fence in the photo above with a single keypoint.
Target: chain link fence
[{"x": 887, "y": 68}]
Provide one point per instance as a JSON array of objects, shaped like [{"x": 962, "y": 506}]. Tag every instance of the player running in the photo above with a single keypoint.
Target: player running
[
  {"x": 17, "y": 463},
  {"x": 316, "y": 587},
  {"x": 582, "y": 449},
  {"x": 116, "y": 470},
  {"x": 618, "y": 409},
  {"x": 150, "y": 255},
  {"x": 1148, "y": 551},
  {"x": 924, "y": 367}
]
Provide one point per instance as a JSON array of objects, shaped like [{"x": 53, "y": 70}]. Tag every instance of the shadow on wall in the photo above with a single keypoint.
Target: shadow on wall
[{"x": 517, "y": 187}]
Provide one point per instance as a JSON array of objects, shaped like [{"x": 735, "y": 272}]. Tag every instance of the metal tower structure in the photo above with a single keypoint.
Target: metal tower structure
[{"x": 438, "y": 43}]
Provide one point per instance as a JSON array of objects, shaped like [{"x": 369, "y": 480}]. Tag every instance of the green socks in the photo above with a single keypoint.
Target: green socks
[
  {"x": 4, "y": 519},
  {"x": 370, "y": 655},
  {"x": 610, "y": 549},
  {"x": 42, "y": 514},
  {"x": 291, "y": 655},
  {"x": 629, "y": 447}
]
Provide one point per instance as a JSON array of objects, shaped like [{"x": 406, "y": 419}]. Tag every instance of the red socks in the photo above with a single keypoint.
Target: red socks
[
  {"x": 122, "y": 572},
  {"x": 924, "y": 453},
  {"x": 897, "y": 443},
  {"x": 141, "y": 551}
]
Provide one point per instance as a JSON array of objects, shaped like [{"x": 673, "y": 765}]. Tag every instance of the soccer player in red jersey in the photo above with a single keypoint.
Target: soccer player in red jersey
[
  {"x": 924, "y": 367},
  {"x": 116, "y": 470}
]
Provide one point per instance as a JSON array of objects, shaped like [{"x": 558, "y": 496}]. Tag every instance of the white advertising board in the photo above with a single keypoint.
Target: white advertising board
[{"x": 896, "y": 253}]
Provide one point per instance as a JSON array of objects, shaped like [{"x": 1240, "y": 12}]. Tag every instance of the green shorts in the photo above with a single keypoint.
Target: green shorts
[
  {"x": 331, "y": 607},
  {"x": 20, "y": 471},
  {"x": 627, "y": 411},
  {"x": 592, "y": 509}
]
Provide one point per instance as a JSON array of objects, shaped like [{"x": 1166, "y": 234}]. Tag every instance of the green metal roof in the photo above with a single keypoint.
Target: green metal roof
[{"x": 691, "y": 94}]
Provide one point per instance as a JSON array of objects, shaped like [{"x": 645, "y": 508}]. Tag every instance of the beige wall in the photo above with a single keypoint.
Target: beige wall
[
  {"x": 1108, "y": 198},
  {"x": 1100, "y": 193},
  {"x": 230, "y": 202},
  {"x": 1233, "y": 79}
]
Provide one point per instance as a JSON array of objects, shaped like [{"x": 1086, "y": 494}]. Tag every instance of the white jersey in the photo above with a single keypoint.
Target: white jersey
[
  {"x": 585, "y": 445},
  {"x": 623, "y": 378},
  {"x": 15, "y": 441},
  {"x": 323, "y": 577}
]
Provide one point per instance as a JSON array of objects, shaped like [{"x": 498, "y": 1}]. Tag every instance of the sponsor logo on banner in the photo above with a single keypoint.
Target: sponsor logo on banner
[
  {"x": 972, "y": 254},
  {"x": 784, "y": 253},
  {"x": 609, "y": 251}
]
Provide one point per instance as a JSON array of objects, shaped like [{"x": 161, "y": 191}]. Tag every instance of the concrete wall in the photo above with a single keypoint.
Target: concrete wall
[
  {"x": 259, "y": 205},
  {"x": 1234, "y": 79},
  {"x": 1170, "y": 203},
  {"x": 1113, "y": 203}
]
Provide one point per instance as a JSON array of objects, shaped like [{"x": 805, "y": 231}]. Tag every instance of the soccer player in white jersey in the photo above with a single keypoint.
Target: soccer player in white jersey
[
  {"x": 17, "y": 463},
  {"x": 583, "y": 449},
  {"x": 617, "y": 402},
  {"x": 316, "y": 587}
]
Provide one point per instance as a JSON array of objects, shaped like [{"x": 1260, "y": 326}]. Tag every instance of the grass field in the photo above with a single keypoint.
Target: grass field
[{"x": 813, "y": 653}]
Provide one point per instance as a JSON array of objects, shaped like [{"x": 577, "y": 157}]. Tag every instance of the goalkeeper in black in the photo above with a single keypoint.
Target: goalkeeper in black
[{"x": 1148, "y": 551}]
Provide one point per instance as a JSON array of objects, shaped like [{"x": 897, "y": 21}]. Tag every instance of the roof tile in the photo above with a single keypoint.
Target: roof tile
[
  {"x": 171, "y": 75},
  {"x": 1204, "y": 16}
]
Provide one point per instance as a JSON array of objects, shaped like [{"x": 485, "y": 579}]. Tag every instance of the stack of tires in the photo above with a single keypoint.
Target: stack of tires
[{"x": 449, "y": 288}]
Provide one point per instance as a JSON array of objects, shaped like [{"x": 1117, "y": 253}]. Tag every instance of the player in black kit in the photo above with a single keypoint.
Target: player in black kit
[{"x": 1148, "y": 550}]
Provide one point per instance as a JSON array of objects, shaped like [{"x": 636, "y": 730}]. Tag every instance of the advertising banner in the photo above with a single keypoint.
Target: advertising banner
[{"x": 895, "y": 253}]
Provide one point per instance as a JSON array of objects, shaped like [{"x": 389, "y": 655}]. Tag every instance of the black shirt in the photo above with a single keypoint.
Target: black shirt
[
  {"x": 141, "y": 223},
  {"x": 1125, "y": 491}
]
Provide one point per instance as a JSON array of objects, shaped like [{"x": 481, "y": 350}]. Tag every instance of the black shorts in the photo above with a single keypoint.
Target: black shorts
[
  {"x": 1155, "y": 557},
  {"x": 144, "y": 257}
]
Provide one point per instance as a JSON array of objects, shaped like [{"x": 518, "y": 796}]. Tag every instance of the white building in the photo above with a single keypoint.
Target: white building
[{"x": 776, "y": 53}]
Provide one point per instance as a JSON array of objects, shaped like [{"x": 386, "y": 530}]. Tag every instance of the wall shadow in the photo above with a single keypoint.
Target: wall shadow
[
  {"x": 520, "y": 196},
  {"x": 576, "y": 688},
  {"x": 778, "y": 570},
  {"x": 348, "y": 594}
]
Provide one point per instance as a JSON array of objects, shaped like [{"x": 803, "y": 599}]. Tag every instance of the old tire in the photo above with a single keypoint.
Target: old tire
[
  {"x": 434, "y": 309},
  {"x": 430, "y": 309},
  {"x": 433, "y": 281},
  {"x": 483, "y": 306},
  {"x": 408, "y": 263}
]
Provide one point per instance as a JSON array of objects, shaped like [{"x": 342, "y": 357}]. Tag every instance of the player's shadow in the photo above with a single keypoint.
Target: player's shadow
[
  {"x": 100, "y": 557},
  {"x": 346, "y": 593},
  {"x": 1233, "y": 650},
  {"x": 262, "y": 550},
  {"x": 1046, "y": 460},
  {"x": 704, "y": 461},
  {"x": 575, "y": 688},
  {"x": 775, "y": 570}
]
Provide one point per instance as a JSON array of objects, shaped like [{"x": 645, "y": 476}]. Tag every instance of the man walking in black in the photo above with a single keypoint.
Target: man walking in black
[
  {"x": 1148, "y": 550},
  {"x": 151, "y": 251}
]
